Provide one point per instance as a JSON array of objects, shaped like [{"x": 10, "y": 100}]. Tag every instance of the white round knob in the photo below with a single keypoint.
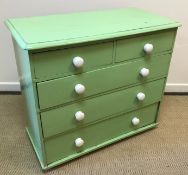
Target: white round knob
[
  {"x": 144, "y": 72},
  {"x": 135, "y": 121},
  {"x": 79, "y": 88},
  {"x": 148, "y": 48},
  {"x": 78, "y": 62},
  {"x": 79, "y": 115},
  {"x": 79, "y": 142},
  {"x": 140, "y": 96}
]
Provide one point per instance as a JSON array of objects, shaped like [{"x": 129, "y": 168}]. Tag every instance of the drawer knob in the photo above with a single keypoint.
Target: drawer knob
[
  {"x": 78, "y": 62},
  {"x": 140, "y": 96},
  {"x": 144, "y": 72},
  {"x": 80, "y": 89},
  {"x": 148, "y": 48},
  {"x": 79, "y": 142},
  {"x": 135, "y": 121},
  {"x": 79, "y": 115}
]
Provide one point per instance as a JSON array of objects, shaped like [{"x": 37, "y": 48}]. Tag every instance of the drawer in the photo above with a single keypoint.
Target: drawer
[
  {"x": 134, "y": 47},
  {"x": 64, "y": 147},
  {"x": 63, "y": 119},
  {"x": 59, "y": 91},
  {"x": 60, "y": 62}
]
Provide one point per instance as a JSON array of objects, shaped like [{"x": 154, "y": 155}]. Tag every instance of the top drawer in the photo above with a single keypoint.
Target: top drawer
[
  {"x": 49, "y": 64},
  {"x": 130, "y": 48}
]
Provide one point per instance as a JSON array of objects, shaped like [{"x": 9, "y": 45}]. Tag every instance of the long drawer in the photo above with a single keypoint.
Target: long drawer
[
  {"x": 63, "y": 146},
  {"x": 53, "y": 63},
  {"x": 133, "y": 47},
  {"x": 62, "y": 90},
  {"x": 63, "y": 119}
]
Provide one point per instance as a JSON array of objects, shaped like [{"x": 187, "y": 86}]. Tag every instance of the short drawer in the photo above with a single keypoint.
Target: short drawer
[
  {"x": 54, "y": 63},
  {"x": 63, "y": 119},
  {"x": 59, "y": 91},
  {"x": 94, "y": 136},
  {"x": 131, "y": 48}
]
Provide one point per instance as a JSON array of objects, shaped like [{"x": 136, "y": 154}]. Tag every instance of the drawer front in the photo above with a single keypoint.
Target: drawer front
[
  {"x": 63, "y": 119},
  {"x": 64, "y": 146},
  {"x": 134, "y": 47},
  {"x": 59, "y": 91},
  {"x": 60, "y": 62}
]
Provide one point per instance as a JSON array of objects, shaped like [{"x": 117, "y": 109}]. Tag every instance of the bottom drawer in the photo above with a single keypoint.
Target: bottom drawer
[{"x": 64, "y": 146}]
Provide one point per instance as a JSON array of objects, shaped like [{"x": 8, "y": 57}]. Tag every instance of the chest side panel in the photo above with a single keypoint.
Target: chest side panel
[{"x": 28, "y": 91}]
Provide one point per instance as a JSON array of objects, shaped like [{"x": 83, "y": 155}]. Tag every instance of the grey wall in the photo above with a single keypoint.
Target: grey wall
[{"x": 176, "y": 9}]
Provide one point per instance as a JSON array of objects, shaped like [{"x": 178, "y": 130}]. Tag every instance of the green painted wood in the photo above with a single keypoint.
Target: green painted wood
[
  {"x": 59, "y": 91},
  {"x": 159, "y": 108},
  {"x": 48, "y": 64},
  {"x": 62, "y": 119},
  {"x": 133, "y": 47},
  {"x": 103, "y": 38},
  {"x": 63, "y": 146},
  {"x": 64, "y": 29},
  {"x": 33, "y": 123},
  {"x": 101, "y": 145},
  {"x": 58, "y": 63},
  {"x": 37, "y": 152}
]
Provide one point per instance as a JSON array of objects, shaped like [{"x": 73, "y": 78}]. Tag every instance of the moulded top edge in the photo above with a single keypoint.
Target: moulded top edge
[{"x": 72, "y": 28}]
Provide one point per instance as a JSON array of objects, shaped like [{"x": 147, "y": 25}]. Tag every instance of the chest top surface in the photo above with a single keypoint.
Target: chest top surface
[{"x": 55, "y": 30}]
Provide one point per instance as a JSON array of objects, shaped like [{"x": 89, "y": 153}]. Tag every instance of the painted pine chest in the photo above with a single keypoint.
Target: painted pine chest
[{"x": 90, "y": 79}]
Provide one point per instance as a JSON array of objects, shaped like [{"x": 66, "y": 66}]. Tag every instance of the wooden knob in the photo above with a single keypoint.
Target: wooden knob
[
  {"x": 79, "y": 115},
  {"x": 148, "y": 48},
  {"x": 78, "y": 62},
  {"x": 79, "y": 89},
  {"x": 135, "y": 121},
  {"x": 140, "y": 96},
  {"x": 144, "y": 72},
  {"x": 79, "y": 142}
]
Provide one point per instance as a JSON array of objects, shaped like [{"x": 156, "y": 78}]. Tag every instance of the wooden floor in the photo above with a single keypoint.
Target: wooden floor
[{"x": 163, "y": 150}]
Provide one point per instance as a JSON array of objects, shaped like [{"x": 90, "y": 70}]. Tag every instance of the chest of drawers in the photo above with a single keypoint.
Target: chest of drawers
[{"x": 90, "y": 79}]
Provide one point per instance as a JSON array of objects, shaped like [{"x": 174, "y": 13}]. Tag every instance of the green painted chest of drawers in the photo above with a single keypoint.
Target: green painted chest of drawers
[{"x": 90, "y": 79}]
